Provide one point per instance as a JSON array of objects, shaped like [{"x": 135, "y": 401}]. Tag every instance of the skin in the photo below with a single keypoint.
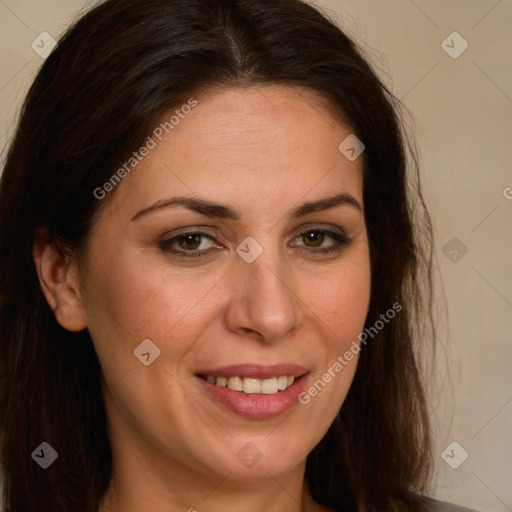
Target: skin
[{"x": 262, "y": 151}]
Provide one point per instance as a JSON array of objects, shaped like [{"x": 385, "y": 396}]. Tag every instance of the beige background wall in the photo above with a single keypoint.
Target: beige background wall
[{"x": 463, "y": 112}]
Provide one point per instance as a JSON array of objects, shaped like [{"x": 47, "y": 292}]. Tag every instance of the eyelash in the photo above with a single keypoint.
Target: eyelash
[{"x": 339, "y": 239}]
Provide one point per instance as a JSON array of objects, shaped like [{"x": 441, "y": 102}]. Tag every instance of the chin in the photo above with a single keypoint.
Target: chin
[{"x": 258, "y": 457}]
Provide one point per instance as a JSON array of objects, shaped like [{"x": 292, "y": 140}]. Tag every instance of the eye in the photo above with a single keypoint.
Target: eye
[
  {"x": 191, "y": 244},
  {"x": 321, "y": 240}
]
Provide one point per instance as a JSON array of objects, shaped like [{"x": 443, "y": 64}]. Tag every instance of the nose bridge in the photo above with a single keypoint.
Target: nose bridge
[{"x": 266, "y": 302}]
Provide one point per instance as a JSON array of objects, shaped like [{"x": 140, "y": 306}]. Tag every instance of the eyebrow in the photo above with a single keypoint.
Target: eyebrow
[{"x": 211, "y": 209}]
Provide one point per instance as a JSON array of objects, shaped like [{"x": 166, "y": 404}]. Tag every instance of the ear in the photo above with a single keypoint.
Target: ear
[{"x": 58, "y": 278}]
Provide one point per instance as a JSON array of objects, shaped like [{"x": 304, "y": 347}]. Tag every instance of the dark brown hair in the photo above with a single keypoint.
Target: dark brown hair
[{"x": 94, "y": 101}]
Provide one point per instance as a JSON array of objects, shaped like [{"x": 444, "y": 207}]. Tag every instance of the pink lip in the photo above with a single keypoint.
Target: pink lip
[{"x": 257, "y": 406}]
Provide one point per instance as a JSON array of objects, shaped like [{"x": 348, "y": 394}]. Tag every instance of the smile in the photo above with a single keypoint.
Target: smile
[
  {"x": 252, "y": 386},
  {"x": 254, "y": 391}
]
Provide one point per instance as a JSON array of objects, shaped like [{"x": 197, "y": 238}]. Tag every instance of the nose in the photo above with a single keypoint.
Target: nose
[{"x": 263, "y": 303}]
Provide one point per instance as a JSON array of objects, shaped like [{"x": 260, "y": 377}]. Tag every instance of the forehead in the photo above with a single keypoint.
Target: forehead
[{"x": 246, "y": 145}]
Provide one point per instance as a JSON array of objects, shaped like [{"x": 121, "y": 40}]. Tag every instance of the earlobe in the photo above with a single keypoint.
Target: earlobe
[{"x": 58, "y": 278}]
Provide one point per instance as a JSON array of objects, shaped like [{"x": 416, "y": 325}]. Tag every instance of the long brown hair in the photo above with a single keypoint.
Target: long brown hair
[{"x": 94, "y": 101}]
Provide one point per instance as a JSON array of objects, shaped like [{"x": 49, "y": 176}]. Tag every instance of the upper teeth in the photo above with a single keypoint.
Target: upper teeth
[{"x": 252, "y": 386}]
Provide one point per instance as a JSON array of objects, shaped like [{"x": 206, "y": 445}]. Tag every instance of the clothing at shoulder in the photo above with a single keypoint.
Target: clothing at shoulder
[
  {"x": 442, "y": 506},
  {"x": 431, "y": 506}
]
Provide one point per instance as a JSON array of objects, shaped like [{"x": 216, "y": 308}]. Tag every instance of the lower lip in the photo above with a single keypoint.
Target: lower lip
[{"x": 257, "y": 405}]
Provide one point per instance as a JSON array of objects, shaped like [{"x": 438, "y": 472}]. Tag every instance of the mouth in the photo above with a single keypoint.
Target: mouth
[
  {"x": 252, "y": 390},
  {"x": 252, "y": 386}
]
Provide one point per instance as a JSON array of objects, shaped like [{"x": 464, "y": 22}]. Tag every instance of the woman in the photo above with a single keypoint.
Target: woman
[{"x": 212, "y": 271}]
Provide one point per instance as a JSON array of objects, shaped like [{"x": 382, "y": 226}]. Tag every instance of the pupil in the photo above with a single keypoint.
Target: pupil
[
  {"x": 313, "y": 238},
  {"x": 191, "y": 242}
]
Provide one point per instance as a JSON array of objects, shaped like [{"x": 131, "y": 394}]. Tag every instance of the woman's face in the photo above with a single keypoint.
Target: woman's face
[{"x": 238, "y": 247}]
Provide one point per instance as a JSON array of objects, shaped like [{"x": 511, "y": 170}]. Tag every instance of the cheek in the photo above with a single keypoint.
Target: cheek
[
  {"x": 341, "y": 299},
  {"x": 339, "y": 308},
  {"x": 157, "y": 306},
  {"x": 127, "y": 303}
]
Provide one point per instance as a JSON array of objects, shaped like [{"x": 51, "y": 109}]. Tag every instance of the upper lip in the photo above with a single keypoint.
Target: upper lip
[{"x": 255, "y": 371}]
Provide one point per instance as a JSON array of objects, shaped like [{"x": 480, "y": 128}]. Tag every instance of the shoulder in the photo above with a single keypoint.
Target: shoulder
[
  {"x": 442, "y": 506},
  {"x": 428, "y": 505}
]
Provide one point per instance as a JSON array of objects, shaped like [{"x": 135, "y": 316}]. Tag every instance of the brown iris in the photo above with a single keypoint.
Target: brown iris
[
  {"x": 190, "y": 242},
  {"x": 313, "y": 238}
]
